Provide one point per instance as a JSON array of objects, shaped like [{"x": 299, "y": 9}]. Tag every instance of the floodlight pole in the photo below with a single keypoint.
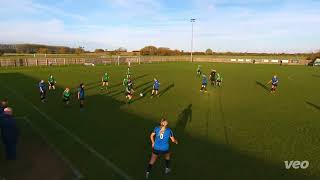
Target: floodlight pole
[{"x": 192, "y": 21}]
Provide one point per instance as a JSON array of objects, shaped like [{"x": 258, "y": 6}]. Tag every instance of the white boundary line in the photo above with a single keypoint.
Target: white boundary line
[
  {"x": 75, "y": 171},
  {"x": 109, "y": 163}
]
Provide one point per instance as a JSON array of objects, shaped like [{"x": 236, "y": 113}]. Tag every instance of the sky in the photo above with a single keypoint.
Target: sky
[{"x": 222, "y": 25}]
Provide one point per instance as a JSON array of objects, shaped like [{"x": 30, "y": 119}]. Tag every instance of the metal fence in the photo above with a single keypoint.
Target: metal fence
[{"x": 21, "y": 62}]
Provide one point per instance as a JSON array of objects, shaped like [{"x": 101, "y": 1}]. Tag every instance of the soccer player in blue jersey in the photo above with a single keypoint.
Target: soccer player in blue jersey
[
  {"x": 204, "y": 83},
  {"x": 160, "y": 145},
  {"x": 156, "y": 86},
  {"x": 81, "y": 96},
  {"x": 274, "y": 83},
  {"x": 43, "y": 90}
]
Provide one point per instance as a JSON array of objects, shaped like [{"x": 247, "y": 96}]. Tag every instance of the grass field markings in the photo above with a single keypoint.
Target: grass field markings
[
  {"x": 108, "y": 162},
  {"x": 76, "y": 172},
  {"x": 313, "y": 105}
]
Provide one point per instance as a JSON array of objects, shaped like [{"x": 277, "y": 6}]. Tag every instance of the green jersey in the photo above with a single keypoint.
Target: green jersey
[
  {"x": 51, "y": 79},
  {"x": 105, "y": 77},
  {"x": 125, "y": 82},
  {"x": 219, "y": 77},
  {"x": 66, "y": 94}
]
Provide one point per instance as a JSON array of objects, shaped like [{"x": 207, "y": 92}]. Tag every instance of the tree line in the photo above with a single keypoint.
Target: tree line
[
  {"x": 39, "y": 48},
  {"x": 146, "y": 51},
  {"x": 164, "y": 51}
]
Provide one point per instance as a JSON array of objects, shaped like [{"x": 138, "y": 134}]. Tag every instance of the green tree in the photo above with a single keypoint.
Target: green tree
[
  {"x": 98, "y": 50},
  {"x": 209, "y": 52},
  {"x": 163, "y": 51},
  {"x": 62, "y": 50},
  {"x": 149, "y": 50},
  {"x": 79, "y": 50},
  {"x": 43, "y": 50}
]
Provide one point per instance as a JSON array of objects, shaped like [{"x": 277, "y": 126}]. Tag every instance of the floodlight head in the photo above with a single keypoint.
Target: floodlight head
[{"x": 192, "y": 20}]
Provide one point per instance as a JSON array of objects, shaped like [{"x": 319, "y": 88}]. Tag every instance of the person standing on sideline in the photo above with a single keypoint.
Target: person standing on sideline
[
  {"x": 3, "y": 105},
  {"x": 9, "y": 134},
  {"x": 81, "y": 96}
]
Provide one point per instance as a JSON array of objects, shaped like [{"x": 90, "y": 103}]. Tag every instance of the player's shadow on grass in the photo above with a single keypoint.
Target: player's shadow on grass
[
  {"x": 139, "y": 77},
  {"x": 92, "y": 83},
  {"x": 166, "y": 89},
  {"x": 183, "y": 119},
  {"x": 263, "y": 86},
  {"x": 145, "y": 91},
  {"x": 313, "y": 105},
  {"x": 113, "y": 131},
  {"x": 143, "y": 84}
]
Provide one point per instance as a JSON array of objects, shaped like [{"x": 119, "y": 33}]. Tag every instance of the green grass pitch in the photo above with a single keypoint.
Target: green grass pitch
[{"x": 238, "y": 131}]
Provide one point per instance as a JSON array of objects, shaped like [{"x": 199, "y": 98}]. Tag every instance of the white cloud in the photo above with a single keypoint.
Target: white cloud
[{"x": 148, "y": 22}]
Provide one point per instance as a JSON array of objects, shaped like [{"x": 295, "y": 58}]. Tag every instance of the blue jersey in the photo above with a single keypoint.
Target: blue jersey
[
  {"x": 42, "y": 86},
  {"x": 81, "y": 93},
  {"x": 275, "y": 80},
  {"x": 156, "y": 84},
  {"x": 161, "y": 142},
  {"x": 204, "y": 80}
]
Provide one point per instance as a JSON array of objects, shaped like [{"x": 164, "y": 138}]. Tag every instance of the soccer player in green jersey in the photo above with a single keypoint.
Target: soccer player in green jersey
[
  {"x": 52, "y": 82},
  {"x": 219, "y": 79},
  {"x": 125, "y": 82},
  {"x": 105, "y": 81},
  {"x": 129, "y": 91},
  {"x": 128, "y": 73},
  {"x": 66, "y": 96},
  {"x": 199, "y": 70}
]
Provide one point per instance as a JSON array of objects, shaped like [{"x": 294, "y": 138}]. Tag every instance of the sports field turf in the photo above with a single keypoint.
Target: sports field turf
[{"x": 238, "y": 131}]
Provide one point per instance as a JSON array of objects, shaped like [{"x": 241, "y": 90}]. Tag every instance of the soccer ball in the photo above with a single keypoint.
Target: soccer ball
[
  {"x": 93, "y": 65},
  {"x": 141, "y": 94}
]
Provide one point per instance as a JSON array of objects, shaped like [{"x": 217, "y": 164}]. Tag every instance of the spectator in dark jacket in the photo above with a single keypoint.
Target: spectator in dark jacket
[
  {"x": 3, "y": 105},
  {"x": 9, "y": 134}
]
